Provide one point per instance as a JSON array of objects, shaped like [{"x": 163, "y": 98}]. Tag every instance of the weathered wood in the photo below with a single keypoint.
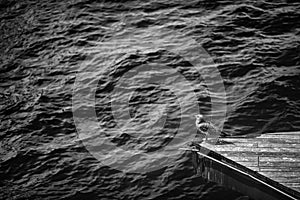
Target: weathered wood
[
  {"x": 273, "y": 155},
  {"x": 285, "y": 155},
  {"x": 232, "y": 175}
]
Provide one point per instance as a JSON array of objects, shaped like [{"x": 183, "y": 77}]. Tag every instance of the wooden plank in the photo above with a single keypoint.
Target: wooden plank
[
  {"x": 232, "y": 148},
  {"x": 289, "y": 165},
  {"x": 278, "y": 169},
  {"x": 292, "y": 185},
  {"x": 219, "y": 169},
  {"x": 278, "y": 145},
  {"x": 266, "y": 144},
  {"x": 263, "y": 158},
  {"x": 286, "y": 174},
  {"x": 274, "y": 155},
  {"x": 261, "y": 154},
  {"x": 297, "y": 188},
  {"x": 288, "y": 136},
  {"x": 261, "y": 140}
]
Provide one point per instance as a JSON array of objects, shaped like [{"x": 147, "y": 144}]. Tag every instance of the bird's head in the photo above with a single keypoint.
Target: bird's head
[{"x": 199, "y": 118}]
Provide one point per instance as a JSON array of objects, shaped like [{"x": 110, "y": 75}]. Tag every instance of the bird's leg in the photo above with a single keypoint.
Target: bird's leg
[{"x": 205, "y": 137}]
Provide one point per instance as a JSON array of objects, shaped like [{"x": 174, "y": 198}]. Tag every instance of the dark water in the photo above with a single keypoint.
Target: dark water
[{"x": 46, "y": 45}]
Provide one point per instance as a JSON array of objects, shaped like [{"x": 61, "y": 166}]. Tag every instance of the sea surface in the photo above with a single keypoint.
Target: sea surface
[{"x": 98, "y": 97}]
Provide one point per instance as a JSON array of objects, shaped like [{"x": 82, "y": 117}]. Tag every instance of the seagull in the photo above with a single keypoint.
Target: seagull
[{"x": 208, "y": 128}]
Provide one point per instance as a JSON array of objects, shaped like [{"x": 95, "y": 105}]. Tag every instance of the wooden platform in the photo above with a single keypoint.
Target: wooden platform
[{"x": 275, "y": 156}]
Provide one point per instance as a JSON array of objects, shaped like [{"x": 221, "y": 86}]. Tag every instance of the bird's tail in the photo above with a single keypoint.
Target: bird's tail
[{"x": 224, "y": 134}]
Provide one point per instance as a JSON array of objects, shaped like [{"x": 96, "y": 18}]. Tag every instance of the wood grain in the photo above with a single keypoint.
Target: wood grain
[{"x": 274, "y": 155}]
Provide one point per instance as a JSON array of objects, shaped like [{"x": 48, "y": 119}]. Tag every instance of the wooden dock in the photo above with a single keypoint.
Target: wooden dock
[{"x": 265, "y": 167}]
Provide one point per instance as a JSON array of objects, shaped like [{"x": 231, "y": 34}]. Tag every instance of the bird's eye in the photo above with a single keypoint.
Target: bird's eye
[{"x": 204, "y": 128}]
